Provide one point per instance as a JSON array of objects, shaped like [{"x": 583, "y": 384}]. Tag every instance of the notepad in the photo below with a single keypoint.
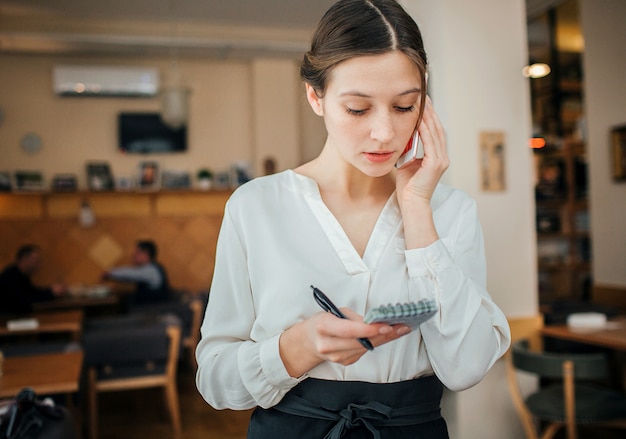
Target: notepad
[
  {"x": 411, "y": 314},
  {"x": 22, "y": 324}
]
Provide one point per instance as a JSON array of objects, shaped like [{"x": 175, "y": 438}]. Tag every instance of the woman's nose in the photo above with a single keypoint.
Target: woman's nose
[{"x": 382, "y": 128}]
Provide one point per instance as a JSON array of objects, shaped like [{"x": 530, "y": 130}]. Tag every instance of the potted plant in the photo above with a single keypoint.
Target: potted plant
[{"x": 205, "y": 179}]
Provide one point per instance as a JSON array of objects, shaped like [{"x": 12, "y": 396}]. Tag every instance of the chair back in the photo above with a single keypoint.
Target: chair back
[
  {"x": 550, "y": 365},
  {"x": 527, "y": 328},
  {"x": 565, "y": 401},
  {"x": 132, "y": 352},
  {"x": 129, "y": 345}
]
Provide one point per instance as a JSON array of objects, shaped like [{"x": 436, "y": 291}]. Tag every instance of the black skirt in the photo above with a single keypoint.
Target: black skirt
[{"x": 322, "y": 409}]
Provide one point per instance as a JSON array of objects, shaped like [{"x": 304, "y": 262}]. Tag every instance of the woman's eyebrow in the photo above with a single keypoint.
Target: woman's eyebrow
[{"x": 359, "y": 94}]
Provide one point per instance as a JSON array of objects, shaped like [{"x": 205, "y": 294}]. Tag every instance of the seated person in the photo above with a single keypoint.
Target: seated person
[
  {"x": 149, "y": 276},
  {"x": 17, "y": 291}
]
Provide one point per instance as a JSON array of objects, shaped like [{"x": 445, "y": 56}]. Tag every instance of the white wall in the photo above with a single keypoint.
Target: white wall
[
  {"x": 477, "y": 51},
  {"x": 276, "y": 124},
  {"x": 604, "y": 65},
  {"x": 239, "y": 111}
]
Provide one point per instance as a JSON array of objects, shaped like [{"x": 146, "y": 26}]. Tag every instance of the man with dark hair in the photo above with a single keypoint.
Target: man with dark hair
[
  {"x": 17, "y": 291},
  {"x": 148, "y": 275}
]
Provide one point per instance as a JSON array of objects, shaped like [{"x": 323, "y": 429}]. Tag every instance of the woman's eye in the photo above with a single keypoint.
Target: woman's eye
[
  {"x": 355, "y": 112},
  {"x": 406, "y": 109}
]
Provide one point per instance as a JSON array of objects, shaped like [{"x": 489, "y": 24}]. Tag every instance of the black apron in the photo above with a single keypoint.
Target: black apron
[{"x": 323, "y": 409}]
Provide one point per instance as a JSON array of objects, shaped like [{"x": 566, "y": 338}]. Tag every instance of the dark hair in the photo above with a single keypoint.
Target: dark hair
[
  {"x": 149, "y": 247},
  {"x": 352, "y": 28},
  {"x": 25, "y": 251}
]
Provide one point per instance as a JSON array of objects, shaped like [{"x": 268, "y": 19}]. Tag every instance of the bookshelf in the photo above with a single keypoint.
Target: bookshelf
[{"x": 563, "y": 237}]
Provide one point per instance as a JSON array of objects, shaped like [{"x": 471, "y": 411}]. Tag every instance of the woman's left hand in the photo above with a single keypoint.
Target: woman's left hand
[{"x": 417, "y": 181}]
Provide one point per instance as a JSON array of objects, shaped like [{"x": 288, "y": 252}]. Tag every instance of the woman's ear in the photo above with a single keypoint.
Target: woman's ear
[{"x": 314, "y": 100}]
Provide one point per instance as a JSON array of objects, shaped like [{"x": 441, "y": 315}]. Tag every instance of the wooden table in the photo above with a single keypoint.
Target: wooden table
[
  {"x": 46, "y": 374},
  {"x": 612, "y": 336},
  {"x": 77, "y": 302},
  {"x": 48, "y": 322}
]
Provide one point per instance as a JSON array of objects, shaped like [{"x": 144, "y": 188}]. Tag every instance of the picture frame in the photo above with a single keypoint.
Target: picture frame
[
  {"x": 618, "y": 146},
  {"x": 5, "y": 181},
  {"x": 149, "y": 177},
  {"x": 64, "y": 183},
  {"x": 29, "y": 181},
  {"x": 492, "y": 161},
  {"x": 175, "y": 180},
  {"x": 222, "y": 180},
  {"x": 240, "y": 173},
  {"x": 99, "y": 176}
]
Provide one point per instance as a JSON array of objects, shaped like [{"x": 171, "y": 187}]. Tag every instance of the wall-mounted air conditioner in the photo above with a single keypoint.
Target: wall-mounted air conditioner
[{"x": 105, "y": 81}]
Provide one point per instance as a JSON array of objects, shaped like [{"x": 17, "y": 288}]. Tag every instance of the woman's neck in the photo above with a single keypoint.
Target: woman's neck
[{"x": 333, "y": 175}]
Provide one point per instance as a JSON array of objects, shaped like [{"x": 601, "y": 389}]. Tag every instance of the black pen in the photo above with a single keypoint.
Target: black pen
[{"x": 330, "y": 307}]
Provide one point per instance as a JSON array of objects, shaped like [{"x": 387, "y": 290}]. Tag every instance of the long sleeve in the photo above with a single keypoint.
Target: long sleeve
[
  {"x": 147, "y": 273},
  {"x": 234, "y": 371},
  {"x": 278, "y": 237},
  {"x": 18, "y": 293},
  {"x": 470, "y": 332}
]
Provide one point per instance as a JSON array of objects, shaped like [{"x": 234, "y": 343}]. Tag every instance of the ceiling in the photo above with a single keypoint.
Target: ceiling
[
  {"x": 210, "y": 27},
  {"x": 217, "y": 28}
]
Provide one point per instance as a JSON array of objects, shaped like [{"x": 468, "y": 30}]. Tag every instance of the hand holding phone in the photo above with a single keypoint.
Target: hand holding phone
[{"x": 414, "y": 150}]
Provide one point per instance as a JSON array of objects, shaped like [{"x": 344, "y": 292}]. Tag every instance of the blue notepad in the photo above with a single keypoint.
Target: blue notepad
[{"x": 411, "y": 314}]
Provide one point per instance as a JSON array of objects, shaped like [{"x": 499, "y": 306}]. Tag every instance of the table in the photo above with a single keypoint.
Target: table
[
  {"x": 46, "y": 374},
  {"x": 49, "y": 322},
  {"x": 612, "y": 336},
  {"x": 77, "y": 302}
]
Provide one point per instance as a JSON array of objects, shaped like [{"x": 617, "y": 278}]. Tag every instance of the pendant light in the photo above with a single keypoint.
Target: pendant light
[{"x": 174, "y": 95}]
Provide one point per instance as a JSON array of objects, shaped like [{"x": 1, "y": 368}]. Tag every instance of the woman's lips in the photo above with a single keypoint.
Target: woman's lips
[{"x": 378, "y": 157}]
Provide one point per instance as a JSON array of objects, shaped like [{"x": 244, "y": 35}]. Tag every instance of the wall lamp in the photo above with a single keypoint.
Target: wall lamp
[{"x": 537, "y": 70}]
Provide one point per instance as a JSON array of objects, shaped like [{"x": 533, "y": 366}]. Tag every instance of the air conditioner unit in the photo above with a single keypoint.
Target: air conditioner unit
[{"x": 105, "y": 81}]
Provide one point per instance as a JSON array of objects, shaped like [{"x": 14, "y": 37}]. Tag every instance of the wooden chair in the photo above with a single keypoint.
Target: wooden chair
[
  {"x": 190, "y": 341},
  {"x": 189, "y": 309},
  {"x": 132, "y": 352},
  {"x": 573, "y": 398}
]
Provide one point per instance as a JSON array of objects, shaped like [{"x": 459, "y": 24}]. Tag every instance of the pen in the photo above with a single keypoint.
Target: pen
[{"x": 330, "y": 307}]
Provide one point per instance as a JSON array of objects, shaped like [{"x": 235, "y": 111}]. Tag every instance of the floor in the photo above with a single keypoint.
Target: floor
[{"x": 142, "y": 414}]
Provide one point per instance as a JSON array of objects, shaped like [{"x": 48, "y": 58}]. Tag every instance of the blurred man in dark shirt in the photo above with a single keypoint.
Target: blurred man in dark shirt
[{"x": 17, "y": 291}]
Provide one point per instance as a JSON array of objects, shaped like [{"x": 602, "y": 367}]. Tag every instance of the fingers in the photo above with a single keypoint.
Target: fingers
[
  {"x": 338, "y": 338},
  {"x": 432, "y": 133}
]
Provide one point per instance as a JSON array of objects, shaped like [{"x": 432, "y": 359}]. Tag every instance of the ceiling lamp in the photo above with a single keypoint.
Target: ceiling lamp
[
  {"x": 175, "y": 96},
  {"x": 175, "y": 105},
  {"x": 537, "y": 70}
]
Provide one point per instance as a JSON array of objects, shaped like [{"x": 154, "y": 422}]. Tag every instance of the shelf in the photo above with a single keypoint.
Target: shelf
[
  {"x": 112, "y": 204},
  {"x": 563, "y": 238}
]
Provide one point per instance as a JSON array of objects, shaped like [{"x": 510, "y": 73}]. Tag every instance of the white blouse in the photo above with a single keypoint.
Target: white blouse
[{"x": 278, "y": 238}]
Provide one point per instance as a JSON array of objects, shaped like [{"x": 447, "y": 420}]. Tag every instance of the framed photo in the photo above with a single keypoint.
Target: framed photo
[
  {"x": 240, "y": 173},
  {"x": 5, "y": 182},
  {"x": 149, "y": 177},
  {"x": 618, "y": 144},
  {"x": 222, "y": 180},
  {"x": 175, "y": 180},
  {"x": 64, "y": 183},
  {"x": 99, "y": 176},
  {"x": 492, "y": 163},
  {"x": 29, "y": 181}
]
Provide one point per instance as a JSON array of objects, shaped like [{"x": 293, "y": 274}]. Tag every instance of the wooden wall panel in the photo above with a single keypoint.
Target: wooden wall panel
[
  {"x": 185, "y": 234},
  {"x": 20, "y": 206}
]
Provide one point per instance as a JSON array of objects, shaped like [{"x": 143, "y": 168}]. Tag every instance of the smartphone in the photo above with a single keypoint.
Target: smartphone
[{"x": 414, "y": 150}]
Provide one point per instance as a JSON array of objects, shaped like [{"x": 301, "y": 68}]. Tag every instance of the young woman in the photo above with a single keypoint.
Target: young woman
[{"x": 366, "y": 234}]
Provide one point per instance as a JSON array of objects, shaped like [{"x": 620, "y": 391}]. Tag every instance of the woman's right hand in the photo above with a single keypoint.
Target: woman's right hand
[{"x": 324, "y": 337}]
